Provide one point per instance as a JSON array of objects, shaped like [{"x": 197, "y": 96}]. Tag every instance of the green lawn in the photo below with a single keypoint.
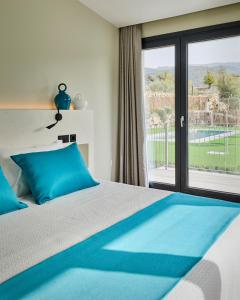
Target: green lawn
[{"x": 199, "y": 156}]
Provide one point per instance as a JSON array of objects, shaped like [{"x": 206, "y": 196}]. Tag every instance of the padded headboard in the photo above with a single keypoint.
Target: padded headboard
[{"x": 24, "y": 128}]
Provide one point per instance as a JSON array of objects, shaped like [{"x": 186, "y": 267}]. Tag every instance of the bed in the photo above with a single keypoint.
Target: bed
[
  {"x": 41, "y": 246},
  {"x": 51, "y": 228}
]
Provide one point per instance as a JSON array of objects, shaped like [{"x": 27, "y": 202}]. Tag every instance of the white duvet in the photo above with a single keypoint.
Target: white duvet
[{"x": 29, "y": 236}]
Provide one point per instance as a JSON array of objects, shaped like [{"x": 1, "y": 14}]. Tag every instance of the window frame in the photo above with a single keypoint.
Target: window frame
[{"x": 180, "y": 40}]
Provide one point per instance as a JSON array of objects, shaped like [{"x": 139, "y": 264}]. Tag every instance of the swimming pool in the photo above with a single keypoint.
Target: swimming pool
[
  {"x": 201, "y": 133},
  {"x": 194, "y": 135}
]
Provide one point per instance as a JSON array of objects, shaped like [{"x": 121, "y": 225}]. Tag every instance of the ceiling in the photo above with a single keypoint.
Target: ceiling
[{"x": 128, "y": 12}]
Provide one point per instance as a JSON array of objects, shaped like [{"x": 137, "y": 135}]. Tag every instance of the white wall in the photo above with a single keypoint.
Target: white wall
[
  {"x": 45, "y": 42},
  {"x": 224, "y": 14}
]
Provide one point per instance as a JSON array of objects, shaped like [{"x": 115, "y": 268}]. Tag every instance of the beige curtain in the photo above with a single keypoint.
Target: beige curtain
[{"x": 132, "y": 162}]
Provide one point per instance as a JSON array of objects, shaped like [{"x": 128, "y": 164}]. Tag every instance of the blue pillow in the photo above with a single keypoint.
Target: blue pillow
[
  {"x": 8, "y": 200},
  {"x": 54, "y": 173}
]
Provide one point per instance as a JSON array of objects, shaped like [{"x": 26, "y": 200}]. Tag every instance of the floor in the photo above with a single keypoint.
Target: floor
[{"x": 200, "y": 179}]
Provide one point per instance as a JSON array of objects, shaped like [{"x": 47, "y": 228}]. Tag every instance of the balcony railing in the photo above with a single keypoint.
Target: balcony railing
[{"x": 212, "y": 148}]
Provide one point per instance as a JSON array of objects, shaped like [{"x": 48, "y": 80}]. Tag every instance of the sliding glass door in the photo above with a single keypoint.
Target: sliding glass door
[
  {"x": 159, "y": 66},
  {"x": 214, "y": 114},
  {"x": 192, "y": 105}
]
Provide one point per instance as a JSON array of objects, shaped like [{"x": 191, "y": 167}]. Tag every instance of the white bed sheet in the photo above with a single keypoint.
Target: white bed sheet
[{"x": 29, "y": 236}]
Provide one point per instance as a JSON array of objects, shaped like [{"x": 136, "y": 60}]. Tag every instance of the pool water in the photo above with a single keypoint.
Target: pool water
[{"x": 199, "y": 134}]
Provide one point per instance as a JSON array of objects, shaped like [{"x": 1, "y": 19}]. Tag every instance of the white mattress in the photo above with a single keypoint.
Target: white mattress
[{"x": 29, "y": 236}]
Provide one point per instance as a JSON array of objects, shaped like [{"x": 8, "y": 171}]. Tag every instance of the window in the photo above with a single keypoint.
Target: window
[
  {"x": 192, "y": 105},
  {"x": 160, "y": 111}
]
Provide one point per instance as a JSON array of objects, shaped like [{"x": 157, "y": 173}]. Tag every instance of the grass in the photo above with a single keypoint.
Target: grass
[{"x": 199, "y": 157}]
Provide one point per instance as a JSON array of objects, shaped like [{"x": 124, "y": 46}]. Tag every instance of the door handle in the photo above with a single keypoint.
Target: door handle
[{"x": 182, "y": 119}]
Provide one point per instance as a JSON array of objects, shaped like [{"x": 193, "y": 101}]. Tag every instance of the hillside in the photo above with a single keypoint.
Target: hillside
[{"x": 197, "y": 72}]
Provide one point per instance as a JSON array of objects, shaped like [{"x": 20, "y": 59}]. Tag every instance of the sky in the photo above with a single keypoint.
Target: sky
[{"x": 215, "y": 51}]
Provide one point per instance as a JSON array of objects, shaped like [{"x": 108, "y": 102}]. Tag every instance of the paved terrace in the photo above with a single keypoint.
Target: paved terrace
[{"x": 200, "y": 179}]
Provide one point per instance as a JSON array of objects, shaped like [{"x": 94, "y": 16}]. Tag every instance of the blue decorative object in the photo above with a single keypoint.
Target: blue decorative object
[
  {"x": 54, "y": 173},
  {"x": 62, "y": 100}
]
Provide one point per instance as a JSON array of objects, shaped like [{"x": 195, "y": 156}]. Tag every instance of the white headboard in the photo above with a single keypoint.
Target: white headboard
[{"x": 24, "y": 128}]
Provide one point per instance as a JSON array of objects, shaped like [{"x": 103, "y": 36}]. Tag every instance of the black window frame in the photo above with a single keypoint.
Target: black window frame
[{"x": 180, "y": 40}]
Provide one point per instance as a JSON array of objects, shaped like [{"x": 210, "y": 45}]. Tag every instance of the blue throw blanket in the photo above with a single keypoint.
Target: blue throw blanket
[{"x": 141, "y": 257}]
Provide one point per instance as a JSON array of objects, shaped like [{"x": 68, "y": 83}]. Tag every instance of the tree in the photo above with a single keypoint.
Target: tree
[
  {"x": 165, "y": 115},
  {"x": 227, "y": 84},
  {"x": 161, "y": 81},
  {"x": 209, "y": 79}
]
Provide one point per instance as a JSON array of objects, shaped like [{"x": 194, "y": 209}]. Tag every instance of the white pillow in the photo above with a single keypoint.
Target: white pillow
[{"x": 14, "y": 173}]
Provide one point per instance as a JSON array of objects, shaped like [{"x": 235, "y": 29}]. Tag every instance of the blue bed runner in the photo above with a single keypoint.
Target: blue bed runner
[{"x": 141, "y": 257}]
